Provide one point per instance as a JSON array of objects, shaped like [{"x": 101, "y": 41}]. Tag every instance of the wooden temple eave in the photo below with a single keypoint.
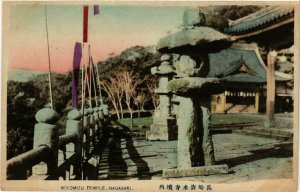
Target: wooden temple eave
[
  {"x": 260, "y": 31},
  {"x": 254, "y": 15}
]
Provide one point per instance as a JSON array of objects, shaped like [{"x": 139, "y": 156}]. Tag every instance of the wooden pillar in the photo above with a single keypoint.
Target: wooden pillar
[
  {"x": 223, "y": 100},
  {"x": 270, "y": 88},
  {"x": 256, "y": 105}
]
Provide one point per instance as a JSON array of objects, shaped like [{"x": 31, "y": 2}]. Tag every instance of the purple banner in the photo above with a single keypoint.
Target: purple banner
[
  {"x": 96, "y": 9},
  {"x": 76, "y": 68}
]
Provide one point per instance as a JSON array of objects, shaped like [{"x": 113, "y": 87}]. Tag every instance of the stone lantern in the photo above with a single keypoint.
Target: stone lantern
[
  {"x": 193, "y": 91},
  {"x": 164, "y": 124}
]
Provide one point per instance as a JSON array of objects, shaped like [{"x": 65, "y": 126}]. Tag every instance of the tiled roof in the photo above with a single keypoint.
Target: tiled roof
[
  {"x": 260, "y": 19},
  {"x": 226, "y": 63}
]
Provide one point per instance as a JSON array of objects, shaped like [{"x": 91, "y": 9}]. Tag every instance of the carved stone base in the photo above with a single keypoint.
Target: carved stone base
[
  {"x": 163, "y": 130},
  {"x": 195, "y": 171}
]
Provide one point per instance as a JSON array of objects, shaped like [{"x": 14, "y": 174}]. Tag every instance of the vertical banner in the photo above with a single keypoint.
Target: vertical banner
[
  {"x": 76, "y": 67},
  {"x": 96, "y": 9},
  {"x": 85, "y": 23}
]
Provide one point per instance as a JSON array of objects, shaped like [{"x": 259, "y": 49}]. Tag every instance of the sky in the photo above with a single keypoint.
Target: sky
[{"x": 112, "y": 31}]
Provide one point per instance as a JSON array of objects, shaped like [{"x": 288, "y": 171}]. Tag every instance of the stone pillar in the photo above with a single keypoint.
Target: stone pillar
[
  {"x": 207, "y": 143},
  {"x": 164, "y": 124},
  {"x": 186, "y": 126},
  {"x": 195, "y": 146},
  {"x": 271, "y": 57},
  {"x": 46, "y": 134},
  {"x": 74, "y": 125}
]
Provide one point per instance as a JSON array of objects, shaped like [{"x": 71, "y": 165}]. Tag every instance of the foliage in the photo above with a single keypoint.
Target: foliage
[
  {"x": 24, "y": 99},
  {"x": 23, "y": 102}
]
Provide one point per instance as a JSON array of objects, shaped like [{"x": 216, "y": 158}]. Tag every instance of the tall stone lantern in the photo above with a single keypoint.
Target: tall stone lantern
[
  {"x": 193, "y": 91},
  {"x": 164, "y": 124}
]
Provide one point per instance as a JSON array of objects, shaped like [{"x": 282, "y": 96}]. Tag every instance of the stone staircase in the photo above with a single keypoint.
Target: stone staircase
[
  {"x": 232, "y": 108},
  {"x": 275, "y": 133}
]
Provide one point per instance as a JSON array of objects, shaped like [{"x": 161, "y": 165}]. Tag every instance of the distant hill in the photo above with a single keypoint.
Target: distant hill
[
  {"x": 22, "y": 75},
  {"x": 137, "y": 58}
]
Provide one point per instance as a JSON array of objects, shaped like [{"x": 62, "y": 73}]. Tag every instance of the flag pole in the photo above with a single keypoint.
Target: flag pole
[
  {"x": 94, "y": 82},
  {"x": 90, "y": 78},
  {"x": 98, "y": 79},
  {"x": 49, "y": 63}
]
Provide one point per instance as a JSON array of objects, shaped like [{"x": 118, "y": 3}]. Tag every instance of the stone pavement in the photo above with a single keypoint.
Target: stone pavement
[{"x": 248, "y": 158}]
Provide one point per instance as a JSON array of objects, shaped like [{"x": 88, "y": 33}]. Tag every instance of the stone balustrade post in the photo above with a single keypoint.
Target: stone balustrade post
[
  {"x": 74, "y": 125},
  {"x": 91, "y": 127},
  {"x": 46, "y": 134},
  {"x": 101, "y": 120},
  {"x": 96, "y": 118},
  {"x": 101, "y": 115},
  {"x": 105, "y": 112},
  {"x": 85, "y": 131}
]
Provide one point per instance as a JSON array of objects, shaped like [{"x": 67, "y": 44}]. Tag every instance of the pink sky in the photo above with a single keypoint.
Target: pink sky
[{"x": 114, "y": 30}]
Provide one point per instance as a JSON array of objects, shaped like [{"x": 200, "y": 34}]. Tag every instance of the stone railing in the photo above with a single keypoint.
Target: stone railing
[{"x": 60, "y": 157}]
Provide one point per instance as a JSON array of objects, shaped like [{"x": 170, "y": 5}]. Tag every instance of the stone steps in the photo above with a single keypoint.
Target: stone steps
[
  {"x": 267, "y": 133},
  {"x": 284, "y": 132}
]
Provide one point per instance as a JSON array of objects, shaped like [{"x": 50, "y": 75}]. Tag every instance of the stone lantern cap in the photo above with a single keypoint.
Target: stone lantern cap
[
  {"x": 90, "y": 110},
  {"x": 190, "y": 84},
  {"x": 47, "y": 115},
  {"x": 195, "y": 37},
  {"x": 199, "y": 39},
  {"x": 74, "y": 115}
]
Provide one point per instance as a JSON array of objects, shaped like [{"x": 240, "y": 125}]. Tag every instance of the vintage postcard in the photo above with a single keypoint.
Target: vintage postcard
[{"x": 149, "y": 96}]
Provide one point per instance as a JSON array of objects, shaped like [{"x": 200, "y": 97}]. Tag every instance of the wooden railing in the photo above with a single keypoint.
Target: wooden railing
[{"x": 60, "y": 157}]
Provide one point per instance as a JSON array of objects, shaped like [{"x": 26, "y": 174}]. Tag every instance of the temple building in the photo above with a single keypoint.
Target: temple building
[
  {"x": 243, "y": 67},
  {"x": 243, "y": 74}
]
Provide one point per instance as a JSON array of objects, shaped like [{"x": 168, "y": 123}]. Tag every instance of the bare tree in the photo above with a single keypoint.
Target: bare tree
[
  {"x": 130, "y": 82},
  {"x": 140, "y": 98},
  {"x": 112, "y": 85}
]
